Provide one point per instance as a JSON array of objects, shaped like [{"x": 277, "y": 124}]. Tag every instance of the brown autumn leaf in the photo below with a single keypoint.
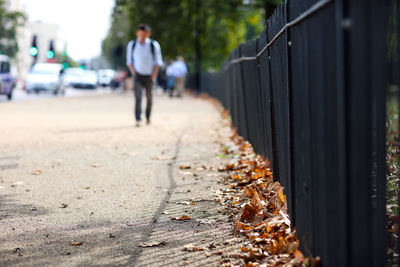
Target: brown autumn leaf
[
  {"x": 282, "y": 197},
  {"x": 75, "y": 244},
  {"x": 183, "y": 218},
  {"x": 259, "y": 206},
  {"x": 248, "y": 214},
  {"x": 184, "y": 167},
  {"x": 192, "y": 248},
  {"x": 239, "y": 226},
  {"x": 256, "y": 202}
]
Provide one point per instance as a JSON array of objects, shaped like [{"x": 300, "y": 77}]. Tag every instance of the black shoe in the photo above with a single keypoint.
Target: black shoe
[
  {"x": 147, "y": 121},
  {"x": 137, "y": 123}
]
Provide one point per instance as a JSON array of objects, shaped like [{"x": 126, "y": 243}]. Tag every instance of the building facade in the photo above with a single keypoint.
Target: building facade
[{"x": 44, "y": 32}]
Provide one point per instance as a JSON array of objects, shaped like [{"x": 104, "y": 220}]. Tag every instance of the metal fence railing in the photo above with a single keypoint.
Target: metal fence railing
[{"x": 310, "y": 95}]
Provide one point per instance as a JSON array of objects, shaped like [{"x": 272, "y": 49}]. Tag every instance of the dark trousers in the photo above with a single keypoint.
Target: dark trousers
[{"x": 142, "y": 82}]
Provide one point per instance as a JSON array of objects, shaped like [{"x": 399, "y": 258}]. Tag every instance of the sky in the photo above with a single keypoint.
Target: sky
[{"x": 85, "y": 22}]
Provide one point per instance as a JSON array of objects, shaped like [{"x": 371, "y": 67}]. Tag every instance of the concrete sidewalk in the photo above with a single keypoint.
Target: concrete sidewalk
[{"x": 80, "y": 185}]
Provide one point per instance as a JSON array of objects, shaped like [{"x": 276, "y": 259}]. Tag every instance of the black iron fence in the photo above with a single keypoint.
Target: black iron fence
[{"x": 310, "y": 95}]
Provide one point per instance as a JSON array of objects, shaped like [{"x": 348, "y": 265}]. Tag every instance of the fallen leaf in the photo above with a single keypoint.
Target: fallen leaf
[
  {"x": 183, "y": 218},
  {"x": 286, "y": 219},
  {"x": 282, "y": 197},
  {"x": 18, "y": 251},
  {"x": 214, "y": 253},
  {"x": 163, "y": 157},
  {"x": 75, "y": 244},
  {"x": 37, "y": 172},
  {"x": 184, "y": 167},
  {"x": 151, "y": 244},
  {"x": 192, "y": 248},
  {"x": 63, "y": 206}
]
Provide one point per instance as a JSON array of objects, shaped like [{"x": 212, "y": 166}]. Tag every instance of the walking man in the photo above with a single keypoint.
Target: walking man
[
  {"x": 143, "y": 57},
  {"x": 179, "y": 71}
]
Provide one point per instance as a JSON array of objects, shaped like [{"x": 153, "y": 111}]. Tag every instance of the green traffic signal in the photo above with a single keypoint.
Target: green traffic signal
[
  {"x": 50, "y": 54},
  {"x": 65, "y": 65},
  {"x": 33, "y": 51}
]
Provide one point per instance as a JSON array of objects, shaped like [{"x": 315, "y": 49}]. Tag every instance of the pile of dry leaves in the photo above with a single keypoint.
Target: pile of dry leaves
[{"x": 259, "y": 206}]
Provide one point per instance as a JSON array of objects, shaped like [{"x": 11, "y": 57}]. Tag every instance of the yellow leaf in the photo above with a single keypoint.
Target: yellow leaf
[{"x": 281, "y": 196}]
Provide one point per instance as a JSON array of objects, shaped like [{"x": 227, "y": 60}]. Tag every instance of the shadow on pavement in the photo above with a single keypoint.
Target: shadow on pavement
[
  {"x": 11, "y": 209},
  {"x": 112, "y": 244}
]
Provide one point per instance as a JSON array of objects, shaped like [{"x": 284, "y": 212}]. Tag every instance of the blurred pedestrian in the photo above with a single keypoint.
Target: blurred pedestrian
[
  {"x": 162, "y": 78},
  {"x": 179, "y": 71},
  {"x": 143, "y": 57},
  {"x": 170, "y": 80}
]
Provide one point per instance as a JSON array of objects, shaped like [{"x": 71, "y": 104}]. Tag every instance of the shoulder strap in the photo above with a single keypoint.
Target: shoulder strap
[
  {"x": 133, "y": 46},
  {"x": 151, "y": 46}
]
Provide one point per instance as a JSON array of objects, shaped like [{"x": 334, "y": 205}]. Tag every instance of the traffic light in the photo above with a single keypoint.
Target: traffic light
[
  {"x": 34, "y": 50},
  {"x": 50, "y": 53}
]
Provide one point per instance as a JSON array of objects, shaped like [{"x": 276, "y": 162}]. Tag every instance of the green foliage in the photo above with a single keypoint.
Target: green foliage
[
  {"x": 64, "y": 58},
  {"x": 9, "y": 22},
  {"x": 114, "y": 44},
  {"x": 219, "y": 26}
]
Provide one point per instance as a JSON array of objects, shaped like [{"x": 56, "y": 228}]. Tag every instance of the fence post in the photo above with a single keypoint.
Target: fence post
[
  {"x": 342, "y": 238},
  {"x": 243, "y": 91},
  {"x": 272, "y": 110},
  {"x": 365, "y": 81},
  {"x": 379, "y": 14},
  {"x": 291, "y": 182}
]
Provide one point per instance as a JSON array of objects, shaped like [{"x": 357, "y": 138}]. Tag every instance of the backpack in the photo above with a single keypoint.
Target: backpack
[{"x": 151, "y": 46}]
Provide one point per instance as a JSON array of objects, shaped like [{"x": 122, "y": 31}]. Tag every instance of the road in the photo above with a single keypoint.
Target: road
[
  {"x": 21, "y": 95},
  {"x": 80, "y": 185}
]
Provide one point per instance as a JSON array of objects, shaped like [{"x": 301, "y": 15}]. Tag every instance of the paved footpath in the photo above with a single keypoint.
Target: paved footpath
[{"x": 81, "y": 186}]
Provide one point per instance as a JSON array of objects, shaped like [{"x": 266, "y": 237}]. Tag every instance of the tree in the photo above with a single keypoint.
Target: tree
[
  {"x": 268, "y": 7},
  {"x": 114, "y": 44},
  {"x": 9, "y": 22},
  {"x": 203, "y": 31}
]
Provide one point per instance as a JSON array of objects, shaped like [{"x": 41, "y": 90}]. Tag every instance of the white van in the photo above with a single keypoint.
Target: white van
[{"x": 7, "y": 83}]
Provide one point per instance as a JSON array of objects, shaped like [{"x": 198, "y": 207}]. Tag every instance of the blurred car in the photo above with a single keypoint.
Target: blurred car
[
  {"x": 7, "y": 82},
  {"x": 80, "y": 78},
  {"x": 106, "y": 76},
  {"x": 44, "y": 77}
]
